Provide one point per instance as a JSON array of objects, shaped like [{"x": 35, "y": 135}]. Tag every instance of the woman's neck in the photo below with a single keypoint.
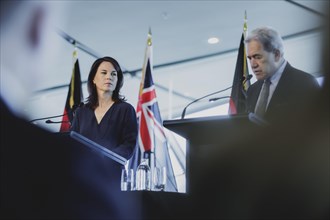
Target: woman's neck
[
  {"x": 105, "y": 100},
  {"x": 105, "y": 103}
]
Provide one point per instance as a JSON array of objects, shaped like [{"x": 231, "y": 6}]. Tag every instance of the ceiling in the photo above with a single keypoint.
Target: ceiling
[{"x": 186, "y": 67}]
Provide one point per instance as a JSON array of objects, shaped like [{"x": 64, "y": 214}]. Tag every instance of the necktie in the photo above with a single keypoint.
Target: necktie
[{"x": 263, "y": 99}]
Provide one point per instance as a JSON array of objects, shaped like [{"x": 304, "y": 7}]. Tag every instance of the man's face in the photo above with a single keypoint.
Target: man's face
[{"x": 263, "y": 63}]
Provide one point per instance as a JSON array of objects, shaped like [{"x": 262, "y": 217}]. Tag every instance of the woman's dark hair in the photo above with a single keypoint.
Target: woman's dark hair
[{"x": 92, "y": 99}]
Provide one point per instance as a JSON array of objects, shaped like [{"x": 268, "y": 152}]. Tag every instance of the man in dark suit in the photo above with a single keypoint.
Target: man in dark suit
[
  {"x": 288, "y": 90},
  {"x": 45, "y": 175},
  {"x": 280, "y": 171}
]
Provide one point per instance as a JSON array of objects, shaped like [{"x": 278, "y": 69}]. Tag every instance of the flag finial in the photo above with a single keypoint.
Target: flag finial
[
  {"x": 149, "y": 37},
  {"x": 245, "y": 23},
  {"x": 75, "y": 51}
]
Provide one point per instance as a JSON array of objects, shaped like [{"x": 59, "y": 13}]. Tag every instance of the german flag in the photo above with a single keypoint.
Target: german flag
[
  {"x": 241, "y": 82},
  {"x": 74, "y": 97}
]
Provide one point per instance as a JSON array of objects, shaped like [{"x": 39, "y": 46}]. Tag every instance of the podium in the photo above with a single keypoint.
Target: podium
[
  {"x": 91, "y": 155},
  {"x": 204, "y": 133}
]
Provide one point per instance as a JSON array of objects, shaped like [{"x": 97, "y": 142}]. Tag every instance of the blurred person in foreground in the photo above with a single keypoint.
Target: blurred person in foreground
[
  {"x": 289, "y": 88},
  {"x": 280, "y": 171},
  {"x": 44, "y": 176}
]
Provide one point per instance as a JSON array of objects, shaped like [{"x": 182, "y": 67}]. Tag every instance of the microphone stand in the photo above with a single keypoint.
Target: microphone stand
[
  {"x": 196, "y": 100},
  {"x": 39, "y": 119},
  {"x": 56, "y": 116}
]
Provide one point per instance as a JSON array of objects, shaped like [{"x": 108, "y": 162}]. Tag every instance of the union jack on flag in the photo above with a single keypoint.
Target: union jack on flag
[
  {"x": 149, "y": 120},
  {"x": 151, "y": 134}
]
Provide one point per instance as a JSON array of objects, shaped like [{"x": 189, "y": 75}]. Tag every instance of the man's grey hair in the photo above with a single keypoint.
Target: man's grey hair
[{"x": 268, "y": 37}]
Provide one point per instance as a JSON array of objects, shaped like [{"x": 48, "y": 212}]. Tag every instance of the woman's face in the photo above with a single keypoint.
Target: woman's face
[{"x": 106, "y": 77}]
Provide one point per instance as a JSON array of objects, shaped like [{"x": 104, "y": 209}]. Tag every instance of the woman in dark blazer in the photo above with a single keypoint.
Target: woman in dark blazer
[{"x": 106, "y": 117}]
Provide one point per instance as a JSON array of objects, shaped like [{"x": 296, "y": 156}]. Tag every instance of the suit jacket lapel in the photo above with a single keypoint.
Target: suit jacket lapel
[
  {"x": 255, "y": 94},
  {"x": 281, "y": 91}
]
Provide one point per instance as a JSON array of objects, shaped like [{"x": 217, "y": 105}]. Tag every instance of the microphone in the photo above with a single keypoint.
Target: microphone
[
  {"x": 54, "y": 122},
  {"x": 196, "y": 100},
  {"x": 216, "y": 99},
  {"x": 55, "y": 116},
  {"x": 74, "y": 107},
  {"x": 244, "y": 79}
]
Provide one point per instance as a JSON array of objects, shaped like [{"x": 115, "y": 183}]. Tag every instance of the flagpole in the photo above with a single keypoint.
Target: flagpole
[
  {"x": 75, "y": 95},
  {"x": 146, "y": 55},
  {"x": 153, "y": 147},
  {"x": 245, "y": 25},
  {"x": 151, "y": 136},
  {"x": 246, "y": 82},
  {"x": 241, "y": 81}
]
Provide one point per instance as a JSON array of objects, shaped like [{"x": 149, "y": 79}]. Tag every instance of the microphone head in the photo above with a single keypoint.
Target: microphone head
[
  {"x": 55, "y": 122},
  {"x": 248, "y": 77}
]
